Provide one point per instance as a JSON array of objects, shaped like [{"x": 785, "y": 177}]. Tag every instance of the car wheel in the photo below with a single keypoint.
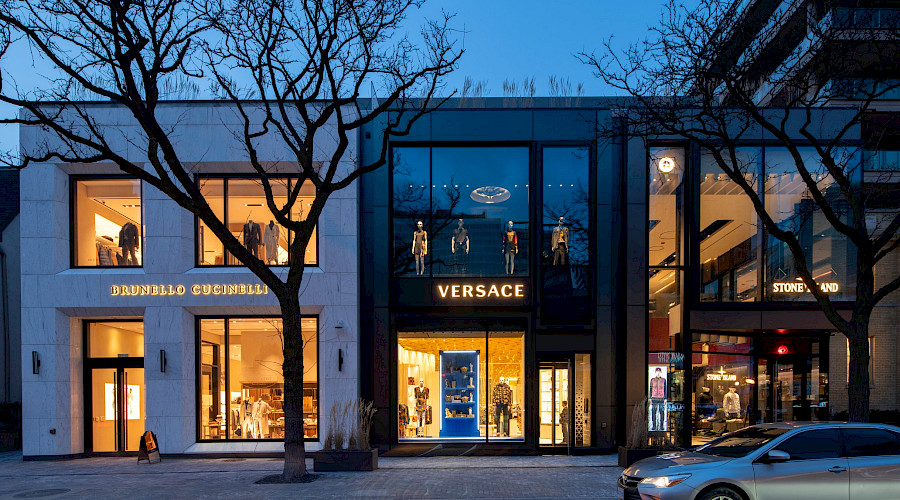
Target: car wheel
[{"x": 721, "y": 493}]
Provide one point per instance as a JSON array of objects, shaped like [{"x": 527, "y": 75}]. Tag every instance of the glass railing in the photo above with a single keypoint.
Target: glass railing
[{"x": 848, "y": 17}]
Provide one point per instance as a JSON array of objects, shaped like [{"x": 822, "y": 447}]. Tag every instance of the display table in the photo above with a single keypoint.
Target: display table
[{"x": 459, "y": 393}]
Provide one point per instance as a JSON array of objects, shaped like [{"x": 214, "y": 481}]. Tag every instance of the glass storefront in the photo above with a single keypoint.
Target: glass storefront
[
  {"x": 723, "y": 383},
  {"x": 467, "y": 385},
  {"x": 107, "y": 222},
  {"x": 461, "y": 211},
  {"x": 240, "y": 378},
  {"x": 242, "y": 205},
  {"x": 665, "y": 398}
]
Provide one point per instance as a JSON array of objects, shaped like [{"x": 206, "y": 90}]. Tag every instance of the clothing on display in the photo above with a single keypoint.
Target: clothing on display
[
  {"x": 129, "y": 241},
  {"x": 403, "y": 412},
  {"x": 270, "y": 240},
  {"x": 658, "y": 387},
  {"x": 260, "y": 417},
  {"x": 421, "y": 395},
  {"x": 705, "y": 405},
  {"x": 420, "y": 247},
  {"x": 459, "y": 246},
  {"x": 657, "y": 414},
  {"x": 501, "y": 418},
  {"x": 731, "y": 403},
  {"x": 252, "y": 237},
  {"x": 559, "y": 244},
  {"x": 510, "y": 249}
]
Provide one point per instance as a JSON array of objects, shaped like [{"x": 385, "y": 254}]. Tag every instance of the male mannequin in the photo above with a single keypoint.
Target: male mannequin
[
  {"x": 731, "y": 403},
  {"x": 657, "y": 401},
  {"x": 129, "y": 242},
  {"x": 460, "y": 241},
  {"x": 261, "y": 409},
  {"x": 421, "y": 406},
  {"x": 247, "y": 428},
  {"x": 252, "y": 237},
  {"x": 270, "y": 239},
  {"x": 501, "y": 398},
  {"x": 559, "y": 243},
  {"x": 420, "y": 247},
  {"x": 510, "y": 248}
]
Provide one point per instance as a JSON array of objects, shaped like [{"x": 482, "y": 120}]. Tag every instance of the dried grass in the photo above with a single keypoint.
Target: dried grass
[
  {"x": 349, "y": 425},
  {"x": 638, "y": 437}
]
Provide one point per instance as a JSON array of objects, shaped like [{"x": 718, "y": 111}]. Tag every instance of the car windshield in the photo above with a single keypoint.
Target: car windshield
[{"x": 740, "y": 443}]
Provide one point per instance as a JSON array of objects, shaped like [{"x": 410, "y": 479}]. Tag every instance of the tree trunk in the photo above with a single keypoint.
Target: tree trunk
[
  {"x": 292, "y": 368},
  {"x": 859, "y": 372}
]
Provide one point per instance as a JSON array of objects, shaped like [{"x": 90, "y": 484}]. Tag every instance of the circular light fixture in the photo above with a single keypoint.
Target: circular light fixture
[
  {"x": 490, "y": 194},
  {"x": 782, "y": 349},
  {"x": 666, "y": 164}
]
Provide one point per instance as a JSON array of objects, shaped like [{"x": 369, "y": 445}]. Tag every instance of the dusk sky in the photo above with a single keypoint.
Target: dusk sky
[{"x": 503, "y": 39}]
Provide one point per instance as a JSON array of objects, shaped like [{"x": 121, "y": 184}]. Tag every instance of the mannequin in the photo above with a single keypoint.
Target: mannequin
[
  {"x": 510, "y": 248},
  {"x": 421, "y": 406},
  {"x": 460, "y": 241},
  {"x": 731, "y": 403},
  {"x": 705, "y": 405},
  {"x": 261, "y": 411},
  {"x": 559, "y": 243},
  {"x": 420, "y": 247},
  {"x": 657, "y": 402},
  {"x": 252, "y": 237},
  {"x": 129, "y": 242},
  {"x": 501, "y": 397},
  {"x": 270, "y": 239},
  {"x": 247, "y": 419}
]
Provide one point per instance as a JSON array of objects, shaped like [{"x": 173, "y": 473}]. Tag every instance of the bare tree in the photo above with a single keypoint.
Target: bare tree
[
  {"x": 702, "y": 77},
  {"x": 294, "y": 71}
]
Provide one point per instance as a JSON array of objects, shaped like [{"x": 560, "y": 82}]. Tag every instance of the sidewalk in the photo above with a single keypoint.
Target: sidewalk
[{"x": 434, "y": 477}]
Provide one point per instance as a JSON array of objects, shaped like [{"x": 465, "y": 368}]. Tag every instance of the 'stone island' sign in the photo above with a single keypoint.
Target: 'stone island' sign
[
  {"x": 196, "y": 289},
  {"x": 800, "y": 287}
]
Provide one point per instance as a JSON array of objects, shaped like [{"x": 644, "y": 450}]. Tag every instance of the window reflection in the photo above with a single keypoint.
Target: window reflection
[
  {"x": 473, "y": 207},
  {"x": 108, "y": 222},
  {"x": 830, "y": 256},
  {"x": 565, "y": 241}
]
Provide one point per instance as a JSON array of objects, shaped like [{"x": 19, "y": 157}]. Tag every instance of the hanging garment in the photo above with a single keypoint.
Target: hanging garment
[{"x": 270, "y": 239}]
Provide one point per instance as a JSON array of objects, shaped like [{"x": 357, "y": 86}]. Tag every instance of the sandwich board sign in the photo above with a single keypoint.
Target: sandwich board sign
[{"x": 148, "y": 449}]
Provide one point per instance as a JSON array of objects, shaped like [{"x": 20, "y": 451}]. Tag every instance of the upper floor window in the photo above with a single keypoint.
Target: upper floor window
[
  {"x": 107, "y": 223},
  {"x": 461, "y": 211},
  {"x": 241, "y": 204}
]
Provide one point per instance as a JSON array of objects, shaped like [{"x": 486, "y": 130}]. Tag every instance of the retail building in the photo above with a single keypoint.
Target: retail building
[
  {"x": 135, "y": 318},
  {"x": 513, "y": 282}
]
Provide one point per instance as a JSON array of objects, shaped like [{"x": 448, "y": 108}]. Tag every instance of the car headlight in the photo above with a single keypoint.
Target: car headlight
[{"x": 664, "y": 481}]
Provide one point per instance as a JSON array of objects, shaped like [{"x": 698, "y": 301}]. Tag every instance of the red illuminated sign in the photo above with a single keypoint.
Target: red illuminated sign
[{"x": 782, "y": 349}]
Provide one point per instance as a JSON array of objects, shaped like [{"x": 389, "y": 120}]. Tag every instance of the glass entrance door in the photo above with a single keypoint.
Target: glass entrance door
[
  {"x": 555, "y": 428},
  {"x": 792, "y": 388},
  {"x": 117, "y": 417}
]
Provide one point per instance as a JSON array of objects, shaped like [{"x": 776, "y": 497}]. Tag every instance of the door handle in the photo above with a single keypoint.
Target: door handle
[{"x": 837, "y": 469}]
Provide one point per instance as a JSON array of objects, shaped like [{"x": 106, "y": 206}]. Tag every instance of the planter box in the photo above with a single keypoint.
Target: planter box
[
  {"x": 345, "y": 460},
  {"x": 628, "y": 456}
]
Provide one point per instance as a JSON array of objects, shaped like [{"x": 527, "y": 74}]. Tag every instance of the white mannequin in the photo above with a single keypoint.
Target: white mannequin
[
  {"x": 731, "y": 403},
  {"x": 420, "y": 247}
]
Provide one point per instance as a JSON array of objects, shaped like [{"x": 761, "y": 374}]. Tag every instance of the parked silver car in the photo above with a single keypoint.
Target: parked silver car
[{"x": 784, "y": 461}]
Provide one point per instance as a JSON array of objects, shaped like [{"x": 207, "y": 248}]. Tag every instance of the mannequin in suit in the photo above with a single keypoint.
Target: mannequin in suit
[{"x": 252, "y": 238}]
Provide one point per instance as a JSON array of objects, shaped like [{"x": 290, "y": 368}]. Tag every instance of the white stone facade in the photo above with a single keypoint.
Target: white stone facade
[{"x": 57, "y": 298}]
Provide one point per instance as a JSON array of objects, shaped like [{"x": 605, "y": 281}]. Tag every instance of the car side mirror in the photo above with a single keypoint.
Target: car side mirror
[{"x": 776, "y": 456}]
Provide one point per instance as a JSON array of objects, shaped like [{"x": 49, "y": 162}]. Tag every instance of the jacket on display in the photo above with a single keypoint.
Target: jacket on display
[{"x": 270, "y": 239}]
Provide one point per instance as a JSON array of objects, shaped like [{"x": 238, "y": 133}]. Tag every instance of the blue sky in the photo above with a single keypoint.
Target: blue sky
[{"x": 503, "y": 39}]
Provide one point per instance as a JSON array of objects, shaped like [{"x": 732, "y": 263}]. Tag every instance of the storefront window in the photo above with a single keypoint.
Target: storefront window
[
  {"x": 241, "y": 381},
  {"x": 666, "y": 176},
  {"x": 830, "y": 256},
  {"x": 665, "y": 309},
  {"x": 242, "y": 204},
  {"x": 723, "y": 385},
  {"x": 461, "y": 385},
  {"x": 728, "y": 231},
  {"x": 107, "y": 222},
  {"x": 665, "y": 395},
  {"x": 472, "y": 203},
  {"x": 565, "y": 240}
]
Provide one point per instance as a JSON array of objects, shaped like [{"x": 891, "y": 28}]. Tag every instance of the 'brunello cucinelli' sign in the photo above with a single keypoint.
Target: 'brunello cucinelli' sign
[{"x": 195, "y": 289}]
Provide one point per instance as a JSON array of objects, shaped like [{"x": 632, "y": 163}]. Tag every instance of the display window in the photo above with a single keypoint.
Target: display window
[
  {"x": 241, "y": 204},
  {"x": 729, "y": 230},
  {"x": 107, "y": 230},
  {"x": 723, "y": 385},
  {"x": 665, "y": 398},
  {"x": 461, "y": 385},
  {"x": 241, "y": 382},
  {"x": 461, "y": 211},
  {"x": 565, "y": 237}
]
